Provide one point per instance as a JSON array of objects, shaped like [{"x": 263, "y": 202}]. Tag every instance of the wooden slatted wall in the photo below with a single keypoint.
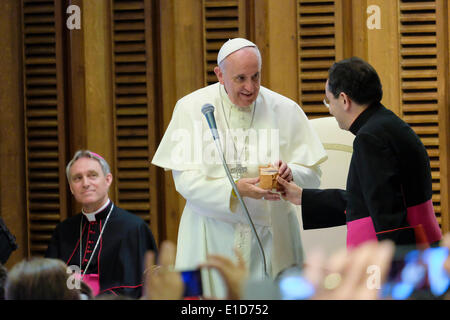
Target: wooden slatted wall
[
  {"x": 44, "y": 120},
  {"x": 222, "y": 20},
  {"x": 317, "y": 51},
  {"x": 419, "y": 81},
  {"x": 134, "y": 108}
]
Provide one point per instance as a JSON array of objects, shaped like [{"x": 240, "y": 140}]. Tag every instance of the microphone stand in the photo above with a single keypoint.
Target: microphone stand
[{"x": 233, "y": 184}]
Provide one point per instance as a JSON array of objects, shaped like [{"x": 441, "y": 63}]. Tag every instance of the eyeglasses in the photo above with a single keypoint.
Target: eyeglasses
[{"x": 326, "y": 103}]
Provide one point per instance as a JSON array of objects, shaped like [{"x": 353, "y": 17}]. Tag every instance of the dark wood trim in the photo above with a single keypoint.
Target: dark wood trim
[{"x": 154, "y": 121}]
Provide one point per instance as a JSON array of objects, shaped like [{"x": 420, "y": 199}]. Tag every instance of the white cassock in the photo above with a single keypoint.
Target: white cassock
[{"x": 272, "y": 128}]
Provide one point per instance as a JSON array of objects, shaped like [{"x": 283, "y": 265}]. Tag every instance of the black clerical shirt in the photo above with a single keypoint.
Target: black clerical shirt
[{"x": 119, "y": 257}]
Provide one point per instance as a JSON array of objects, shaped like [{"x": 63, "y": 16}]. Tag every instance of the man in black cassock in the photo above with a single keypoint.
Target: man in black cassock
[
  {"x": 113, "y": 241},
  {"x": 389, "y": 189}
]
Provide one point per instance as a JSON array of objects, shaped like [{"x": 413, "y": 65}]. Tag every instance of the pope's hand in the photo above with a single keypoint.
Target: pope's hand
[
  {"x": 247, "y": 188},
  {"x": 284, "y": 171},
  {"x": 290, "y": 191}
]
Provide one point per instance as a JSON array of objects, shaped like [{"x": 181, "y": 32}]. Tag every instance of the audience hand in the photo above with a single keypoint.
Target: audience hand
[
  {"x": 234, "y": 274},
  {"x": 345, "y": 276},
  {"x": 162, "y": 282}
]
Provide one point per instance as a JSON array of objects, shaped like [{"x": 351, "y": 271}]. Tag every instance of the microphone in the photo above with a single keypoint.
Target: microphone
[{"x": 208, "y": 111}]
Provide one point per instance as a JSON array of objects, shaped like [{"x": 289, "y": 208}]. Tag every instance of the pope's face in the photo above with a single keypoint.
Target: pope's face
[
  {"x": 88, "y": 183},
  {"x": 241, "y": 76}
]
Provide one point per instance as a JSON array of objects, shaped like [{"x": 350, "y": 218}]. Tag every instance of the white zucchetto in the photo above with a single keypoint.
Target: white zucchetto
[{"x": 231, "y": 46}]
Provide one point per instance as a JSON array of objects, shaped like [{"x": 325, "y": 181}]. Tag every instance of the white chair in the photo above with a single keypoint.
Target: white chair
[{"x": 338, "y": 144}]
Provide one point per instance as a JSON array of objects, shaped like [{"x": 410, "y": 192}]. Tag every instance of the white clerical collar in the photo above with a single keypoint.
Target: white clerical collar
[
  {"x": 91, "y": 216},
  {"x": 228, "y": 104}
]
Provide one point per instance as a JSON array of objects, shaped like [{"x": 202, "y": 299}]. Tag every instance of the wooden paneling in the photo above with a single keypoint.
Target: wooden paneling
[
  {"x": 12, "y": 175},
  {"x": 320, "y": 43},
  {"x": 381, "y": 57},
  {"x": 421, "y": 102},
  {"x": 357, "y": 17},
  {"x": 96, "y": 28},
  {"x": 222, "y": 20},
  {"x": 445, "y": 14},
  {"x": 44, "y": 120},
  {"x": 443, "y": 90},
  {"x": 76, "y": 92},
  {"x": 276, "y": 38},
  {"x": 180, "y": 63},
  {"x": 171, "y": 207},
  {"x": 134, "y": 109}
]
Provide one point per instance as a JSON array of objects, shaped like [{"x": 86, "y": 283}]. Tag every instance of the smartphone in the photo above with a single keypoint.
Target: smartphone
[
  {"x": 192, "y": 283},
  {"x": 417, "y": 274}
]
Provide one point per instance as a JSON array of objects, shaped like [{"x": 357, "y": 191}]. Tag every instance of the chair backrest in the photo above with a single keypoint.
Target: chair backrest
[{"x": 338, "y": 144}]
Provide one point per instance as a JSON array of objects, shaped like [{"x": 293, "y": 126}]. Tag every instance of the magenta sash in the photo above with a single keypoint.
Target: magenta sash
[
  {"x": 92, "y": 280},
  {"x": 420, "y": 217},
  {"x": 423, "y": 214},
  {"x": 360, "y": 231}
]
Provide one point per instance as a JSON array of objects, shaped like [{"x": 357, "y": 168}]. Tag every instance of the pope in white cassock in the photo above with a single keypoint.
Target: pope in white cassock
[{"x": 257, "y": 126}]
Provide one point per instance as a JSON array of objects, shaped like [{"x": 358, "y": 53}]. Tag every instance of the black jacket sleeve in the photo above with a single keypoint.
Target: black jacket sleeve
[{"x": 323, "y": 208}]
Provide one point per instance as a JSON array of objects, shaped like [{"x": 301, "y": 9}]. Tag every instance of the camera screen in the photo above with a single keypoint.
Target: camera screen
[
  {"x": 419, "y": 273},
  {"x": 293, "y": 286},
  {"x": 192, "y": 283}
]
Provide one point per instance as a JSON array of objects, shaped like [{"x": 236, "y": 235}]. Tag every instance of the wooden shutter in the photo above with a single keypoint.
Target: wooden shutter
[
  {"x": 420, "y": 102},
  {"x": 134, "y": 114},
  {"x": 44, "y": 120},
  {"x": 222, "y": 20},
  {"x": 319, "y": 35}
]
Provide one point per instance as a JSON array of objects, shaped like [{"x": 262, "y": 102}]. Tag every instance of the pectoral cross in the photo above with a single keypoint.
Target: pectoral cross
[{"x": 238, "y": 171}]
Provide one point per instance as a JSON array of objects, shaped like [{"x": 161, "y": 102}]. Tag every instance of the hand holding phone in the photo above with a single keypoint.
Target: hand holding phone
[
  {"x": 161, "y": 281},
  {"x": 419, "y": 273}
]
